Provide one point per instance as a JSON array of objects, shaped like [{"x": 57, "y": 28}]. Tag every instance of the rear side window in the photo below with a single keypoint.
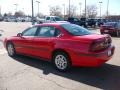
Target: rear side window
[
  {"x": 75, "y": 29},
  {"x": 48, "y": 31},
  {"x": 113, "y": 24}
]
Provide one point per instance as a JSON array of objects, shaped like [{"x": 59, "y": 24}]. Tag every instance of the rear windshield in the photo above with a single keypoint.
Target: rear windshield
[
  {"x": 76, "y": 30},
  {"x": 113, "y": 24}
]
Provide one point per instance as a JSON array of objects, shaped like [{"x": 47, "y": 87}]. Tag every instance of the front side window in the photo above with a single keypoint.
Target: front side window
[
  {"x": 30, "y": 31},
  {"x": 75, "y": 29}
]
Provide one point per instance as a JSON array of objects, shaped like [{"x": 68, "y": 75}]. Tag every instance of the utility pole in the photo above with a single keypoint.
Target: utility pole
[
  {"x": 80, "y": 8},
  {"x": 38, "y": 6},
  {"x": 100, "y": 8},
  {"x": 32, "y": 13},
  {"x": 69, "y": 8}
]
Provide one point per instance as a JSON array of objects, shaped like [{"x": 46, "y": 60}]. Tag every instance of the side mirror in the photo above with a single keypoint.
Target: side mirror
[{"x": 19, "y": 34}]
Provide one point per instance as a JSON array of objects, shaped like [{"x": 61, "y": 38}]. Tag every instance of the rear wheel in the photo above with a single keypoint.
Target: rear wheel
[
  {"x": 61, "y": 61},
  {"x": 11, "y": 49}
]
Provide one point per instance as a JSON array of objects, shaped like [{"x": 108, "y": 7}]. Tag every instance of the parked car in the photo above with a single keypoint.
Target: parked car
[
  {"x": 100, "y": 22},
  {"x": 63, "y": 44},
  {"x": 1, "y": 18},
  {"x": 52, "y": 19},
  {"x": 74, "y": 20},
  {"x": 91, "y": 22},
  {"x": 10, "y": 19},
  {"x": 111, "y": 28},
  {"x": 83, "y": 22}
]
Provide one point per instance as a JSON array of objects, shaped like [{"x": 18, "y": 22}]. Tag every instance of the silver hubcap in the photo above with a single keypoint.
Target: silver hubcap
[
  {"x": 61, "y": 62},
  {"x": 10, "y": 49}
]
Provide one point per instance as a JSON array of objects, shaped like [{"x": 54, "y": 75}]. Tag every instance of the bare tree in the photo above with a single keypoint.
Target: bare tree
[
  {"x": 7, "y": 14},
  {"x": 91, "y": 11},
  {"x": 55, "y": 10},
  {"x": 39, "y": 15},
  {"x": 72, "y": 11},
  {"x": 19, "y": 14}
]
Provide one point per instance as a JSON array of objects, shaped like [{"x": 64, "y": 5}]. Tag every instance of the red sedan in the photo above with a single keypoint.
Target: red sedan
[
  {"x": 63, "y": 44},
  {"x": 111, "y": 28}
]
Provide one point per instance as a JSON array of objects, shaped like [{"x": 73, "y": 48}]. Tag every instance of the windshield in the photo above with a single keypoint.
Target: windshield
[
  {"x": 111, "y": 24},
  {"x": 59, "y": 19},
  {"x": 76, "y": 30}
]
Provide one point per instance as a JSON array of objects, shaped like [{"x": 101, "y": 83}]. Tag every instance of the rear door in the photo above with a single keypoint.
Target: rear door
[
  {"x": 24, "y": 44},
  {"x": 45, "y": 41}
]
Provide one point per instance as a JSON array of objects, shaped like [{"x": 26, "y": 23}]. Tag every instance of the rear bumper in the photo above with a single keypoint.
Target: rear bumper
[
  {"x": 92, "y": 59},
  {"x": 110, "y": 31}
]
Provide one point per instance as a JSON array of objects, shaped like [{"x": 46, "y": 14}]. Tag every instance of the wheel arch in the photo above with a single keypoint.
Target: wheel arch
[
  {"x": 7, "y": 43},
  {"x": 60, "y": 50}
]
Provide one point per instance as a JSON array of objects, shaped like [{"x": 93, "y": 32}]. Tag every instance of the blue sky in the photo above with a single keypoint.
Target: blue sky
[{"x": 25, "y": 5}]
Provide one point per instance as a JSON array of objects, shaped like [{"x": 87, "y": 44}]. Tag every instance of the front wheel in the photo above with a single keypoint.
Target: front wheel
[
  {"x": 61, "y": 61},
  {"x": 11, "y": 49}
]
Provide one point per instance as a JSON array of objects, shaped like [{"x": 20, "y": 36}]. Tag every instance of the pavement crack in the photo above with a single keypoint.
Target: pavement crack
[{"x": 55, "y": 83}]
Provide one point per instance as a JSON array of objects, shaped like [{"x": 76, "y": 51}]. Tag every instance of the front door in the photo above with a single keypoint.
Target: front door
[{"x": 24, "y": 44}]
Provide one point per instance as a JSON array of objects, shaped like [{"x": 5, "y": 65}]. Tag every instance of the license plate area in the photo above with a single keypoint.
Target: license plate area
[{"x": 106, "y": 31}]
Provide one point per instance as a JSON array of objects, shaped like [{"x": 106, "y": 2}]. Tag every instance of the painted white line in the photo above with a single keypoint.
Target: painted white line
[{"x": 3, "y": 51}]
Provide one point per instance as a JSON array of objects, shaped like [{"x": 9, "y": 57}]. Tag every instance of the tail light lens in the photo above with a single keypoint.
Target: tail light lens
[
  {"x": 101, "y": 27},
  {"x": 99, "y": 45}
]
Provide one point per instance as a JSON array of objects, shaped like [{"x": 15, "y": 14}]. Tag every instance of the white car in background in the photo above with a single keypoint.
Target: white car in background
[{"x": 52, "y": 19}]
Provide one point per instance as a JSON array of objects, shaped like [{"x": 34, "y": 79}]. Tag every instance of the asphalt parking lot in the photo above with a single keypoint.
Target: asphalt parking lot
[{"x": 25, "y": 73}]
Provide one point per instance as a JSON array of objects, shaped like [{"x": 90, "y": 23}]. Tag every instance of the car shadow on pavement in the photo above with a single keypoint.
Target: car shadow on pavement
[{"x": 105, "y": 77}]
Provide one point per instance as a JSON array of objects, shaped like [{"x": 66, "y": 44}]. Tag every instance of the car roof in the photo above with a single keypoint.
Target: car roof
[
  {"x": 52, "y": 16},
  {"x": 51, "y": 24}
]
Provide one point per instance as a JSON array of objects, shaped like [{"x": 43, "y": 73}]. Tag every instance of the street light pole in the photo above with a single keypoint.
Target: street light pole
[
  {"x": 107, "y": 7},
  {"x": 69, "y": 8},
  {"x": 0, "y": 10},
  {"x": 100, "y": 8},
  {"x": 80, "y": 8},
  {"x": 38, "y": 6},
  {"x": 85, "y": 8},
  {"x": 16, "y": 5},
  {"x": 32, "y": 13},
  {"x": 64, "y": 10}
]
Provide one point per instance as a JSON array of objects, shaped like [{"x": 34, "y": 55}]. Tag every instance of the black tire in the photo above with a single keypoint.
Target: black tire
[
  {"x": 102, "y": 33},
  {"x": 66, "y": 59},
  {"x": 13, "y": 52}
]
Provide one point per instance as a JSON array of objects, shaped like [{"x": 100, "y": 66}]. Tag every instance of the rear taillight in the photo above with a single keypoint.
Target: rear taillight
[
  {"x": 99, "y": 45},
  {"x": 96, "y": 46},
  {"x": 101, "y": 27}
]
